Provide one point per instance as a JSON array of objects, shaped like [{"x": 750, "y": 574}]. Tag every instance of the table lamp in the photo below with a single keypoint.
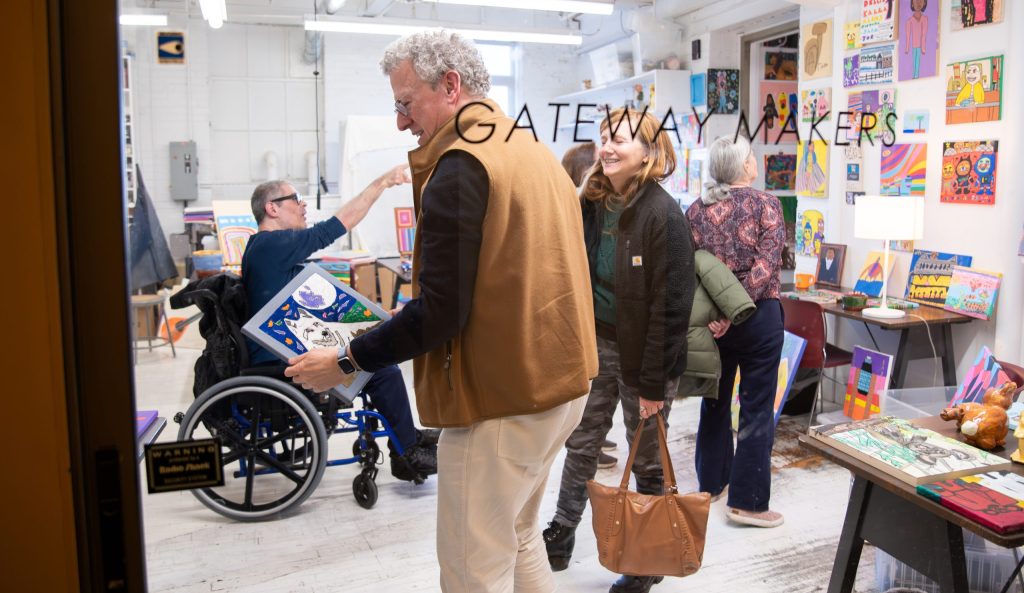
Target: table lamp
[{"x": 888, "y": 218}]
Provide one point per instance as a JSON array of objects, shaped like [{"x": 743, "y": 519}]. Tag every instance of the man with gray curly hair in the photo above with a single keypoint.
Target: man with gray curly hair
[{"x": 501, "y": 324}]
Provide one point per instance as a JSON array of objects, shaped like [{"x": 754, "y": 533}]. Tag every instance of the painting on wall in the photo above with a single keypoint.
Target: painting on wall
[
  {"x": 974, "y": 90},
  {"x": 851, "y": 71},
  {"x": 788, "y": 204},
  {"x": 887, "y": 115},
  {"x": 919, "y": 39},
  {"x": 969, "y": 172},
  {"x": 877, "y": 21},
  {"x": 851, "y": 31},
  {"x": 695, "y": 176},
  {"x": 677, "y": 181},
  {"x": 699, "y": 89},
  {"x": 810, "y": 232},
  {"x": 916, "y": 121},
  {"x": 811, "y": 165},
  {"x": 779, "y": 171},
  {"x": 780, "y": 65},
  {"x": 971, "y": 13},
  {"x": 855, "y": 107},
  {"x": 854, "y": 158},
  {"x": 689, "y": 132},
  {"x": 816, "y": 105},
  {"x": 903, "y": 169},
  {"x": 777, "y": 101},
  {"x": 723, "y": 90},
  {"x": 876, "y": 65},
  {"x": 816, "y": 50}
]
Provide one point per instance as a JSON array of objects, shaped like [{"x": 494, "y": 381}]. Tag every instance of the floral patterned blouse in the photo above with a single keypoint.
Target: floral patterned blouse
[{"x": 747, "y": 232}]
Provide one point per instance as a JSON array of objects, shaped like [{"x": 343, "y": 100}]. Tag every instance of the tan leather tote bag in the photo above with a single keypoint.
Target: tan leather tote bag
[{"x": 649, "y": 535}]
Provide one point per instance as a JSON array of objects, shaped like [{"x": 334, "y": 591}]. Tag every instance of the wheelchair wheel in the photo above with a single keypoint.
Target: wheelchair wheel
[
  {"x": 364, "y": 489},
  {"x": 273, "y": 446},
  {"x": 372, "y": 451}
]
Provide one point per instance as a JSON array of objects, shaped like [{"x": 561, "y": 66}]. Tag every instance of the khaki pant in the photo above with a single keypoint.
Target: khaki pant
[{"x": 491, "y": 478}]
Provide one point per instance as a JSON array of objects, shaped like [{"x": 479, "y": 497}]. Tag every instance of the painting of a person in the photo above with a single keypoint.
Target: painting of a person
[
  {"x": 830, "y": 266},
  {"x": 916, "y": 29},
  {"x": 770, "y": 112},
  {"x": 973, "y": 92}
]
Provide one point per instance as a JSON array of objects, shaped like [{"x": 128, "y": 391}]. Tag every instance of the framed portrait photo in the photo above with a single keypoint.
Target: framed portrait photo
[{"x": 830, "y": 265}]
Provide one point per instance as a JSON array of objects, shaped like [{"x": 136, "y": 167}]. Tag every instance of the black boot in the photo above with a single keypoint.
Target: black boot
[
  {"x": 417, "y": 463},
  {"x": 559, "y": 540},
  {"x": 427, "y": 436},
  {"x": 631, "y": 584}
]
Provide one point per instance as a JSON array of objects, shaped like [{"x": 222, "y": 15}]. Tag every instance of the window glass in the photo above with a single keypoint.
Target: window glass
[
  {"x": 498, "y": 58},
  {"x": 502, "y": 95}
]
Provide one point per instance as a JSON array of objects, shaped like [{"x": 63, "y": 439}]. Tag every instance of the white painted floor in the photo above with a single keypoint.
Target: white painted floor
[{"x": 333, "y": 545}]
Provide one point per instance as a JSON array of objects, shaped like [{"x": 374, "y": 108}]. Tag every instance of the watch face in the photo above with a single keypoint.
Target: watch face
[{"x": 346, "y": 365}]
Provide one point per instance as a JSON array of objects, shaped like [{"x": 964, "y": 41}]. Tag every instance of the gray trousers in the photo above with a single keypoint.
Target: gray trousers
[{"x": 584, "y": 444}]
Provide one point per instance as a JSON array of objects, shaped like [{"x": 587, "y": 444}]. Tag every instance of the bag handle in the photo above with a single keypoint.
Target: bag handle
[{"x": 666, "y": 460}]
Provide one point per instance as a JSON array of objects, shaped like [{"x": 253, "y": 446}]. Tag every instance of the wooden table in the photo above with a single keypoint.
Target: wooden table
[
  {"x": 914, "y": 529},
  {"x": 916, "y": 321},
  {"x": 402, "y": 276}
]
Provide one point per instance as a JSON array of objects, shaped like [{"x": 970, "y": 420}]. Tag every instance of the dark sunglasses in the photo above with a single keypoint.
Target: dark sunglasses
[{"x": 296, "y": 197}]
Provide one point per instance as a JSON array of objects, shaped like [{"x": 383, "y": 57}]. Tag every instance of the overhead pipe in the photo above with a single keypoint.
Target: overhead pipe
[{"x": 314, "y": 45}]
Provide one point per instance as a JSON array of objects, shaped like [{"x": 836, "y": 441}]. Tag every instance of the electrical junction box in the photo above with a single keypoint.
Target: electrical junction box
[{"x": 184, "y": 171}]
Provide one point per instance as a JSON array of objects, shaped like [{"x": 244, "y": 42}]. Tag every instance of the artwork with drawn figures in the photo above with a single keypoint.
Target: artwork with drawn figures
[
  {"x": 974, "y": 90},
  {"x": 830, "y": 265},
  {"x": 919, "y": 39},
  {"x": 969, "y": 172},
  {"x": 816, "y": 50},
  {"x": 723, "y": 90},
  {"x": 972, "y": 13},
  {"x": 810, "y": 232}
]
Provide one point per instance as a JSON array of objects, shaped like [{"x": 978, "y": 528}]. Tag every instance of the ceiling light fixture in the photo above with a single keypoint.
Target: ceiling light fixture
[
  {"x": 581, "y": 6},
  {"x": 214, "y": 12},
  {"x": 379, "y": 26},
  {"x": 144, "y": 20}
]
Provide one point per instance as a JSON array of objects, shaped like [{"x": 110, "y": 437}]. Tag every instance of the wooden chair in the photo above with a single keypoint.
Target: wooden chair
[{"x": 807, "y": 320}]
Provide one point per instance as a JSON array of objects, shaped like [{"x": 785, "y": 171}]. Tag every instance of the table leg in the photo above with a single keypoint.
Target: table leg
[
  {"x": 394, "y": 293},
  {"x": 948, "y": 362},
  {"x": 899, "y": 374},
  {"x": 844, "y": 569}
]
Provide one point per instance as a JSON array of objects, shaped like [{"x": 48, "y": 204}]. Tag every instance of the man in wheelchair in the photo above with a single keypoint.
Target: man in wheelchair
[{"x": 273, "y": 257}]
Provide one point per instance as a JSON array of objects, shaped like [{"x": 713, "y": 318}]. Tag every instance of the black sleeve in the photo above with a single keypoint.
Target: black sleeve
[{"x": 453, "y": 207}]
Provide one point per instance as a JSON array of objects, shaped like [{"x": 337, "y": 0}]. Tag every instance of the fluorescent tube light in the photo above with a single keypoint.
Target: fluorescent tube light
[
  {"x": 214, "y": 12},
  {"x": 582, "y": 6},
  {"x": 144, "y": 20},
  {"x": 376, "y": 27}
]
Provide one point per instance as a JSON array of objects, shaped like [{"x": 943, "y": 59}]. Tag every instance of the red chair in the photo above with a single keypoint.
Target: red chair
[{"x": 807, "y": 320}]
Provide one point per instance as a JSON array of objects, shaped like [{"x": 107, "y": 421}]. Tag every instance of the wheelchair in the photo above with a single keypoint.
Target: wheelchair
[{"x": 272, "y": 435}]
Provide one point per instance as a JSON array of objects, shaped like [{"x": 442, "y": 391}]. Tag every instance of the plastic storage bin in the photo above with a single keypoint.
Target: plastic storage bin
[{"x": 988, "y": 567}]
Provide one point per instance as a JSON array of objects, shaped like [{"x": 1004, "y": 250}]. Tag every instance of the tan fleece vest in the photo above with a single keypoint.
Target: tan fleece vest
[{"x": 529, "y": 344}]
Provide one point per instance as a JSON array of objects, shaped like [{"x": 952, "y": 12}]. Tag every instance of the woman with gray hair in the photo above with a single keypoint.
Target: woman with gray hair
[{"x": 744, "y": 228}]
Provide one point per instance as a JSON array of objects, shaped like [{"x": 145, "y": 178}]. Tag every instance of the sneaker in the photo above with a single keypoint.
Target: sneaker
[
  {"x": 762, "y": 519},
  {"x": 559, "y": 540},
  {"x": 604, "y": 461},
  {"x": 417, "y": 463},
  {"x": 428, "y": 436},
  {"x": 608, "y": 445}
]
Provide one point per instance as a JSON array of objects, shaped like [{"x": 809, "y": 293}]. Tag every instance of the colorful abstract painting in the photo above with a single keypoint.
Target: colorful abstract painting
[
  {"x": 973, "y": 292},
  {"x": 780, "y": 65},
  {"x": 972, "y": 13},
  {"x": 811, "y": 169},
  {"x": 877, "y": 21},
  {"x": 810, "y": 232},
  {"x": 695, "y": 177},
  {"x": 723, "y": 90},
  {"x": 855, "y": 109},
  {"x": 916, "y": 121},
  {"x": 777, "y": 101},
  {"x": 851, "y": 71},
  {"x": 699, "y": 89},
  {"x": 887, "y": 115},
  {"x": 903, "y": 169},
  {"x": 689, "y": 132},
  {"x": 867, "y": 384},
  {"x": 969, "y": 172},
  {"x": 974, "y": 90},
  {"x": 919, "y": 39},
  {"x": 779, "y": 171},
  {"x": 816, "y": 105},
  {"x": 930, "y": 275},
  {"x": 235, "y": 224},
  {"x": 405, "y": 230},
  {"x": 869, "y": 280},
  {"x": 312, "y": 311},
  {"x": 984, "y": 373},
  {"x": 793, "y": 347},
  {"x": 677, "y": 181},
  {"x": 816, "y": 50}
]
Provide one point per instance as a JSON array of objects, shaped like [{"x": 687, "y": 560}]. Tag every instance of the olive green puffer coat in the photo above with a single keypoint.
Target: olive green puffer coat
[{"x": 718, "y": 295}]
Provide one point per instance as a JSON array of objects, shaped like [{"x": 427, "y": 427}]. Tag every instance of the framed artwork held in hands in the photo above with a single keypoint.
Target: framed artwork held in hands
[{"x": 830, "y": 265}]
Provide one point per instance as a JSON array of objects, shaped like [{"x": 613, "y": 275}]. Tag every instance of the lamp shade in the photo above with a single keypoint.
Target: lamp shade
[{"x": 896, "y": 218}]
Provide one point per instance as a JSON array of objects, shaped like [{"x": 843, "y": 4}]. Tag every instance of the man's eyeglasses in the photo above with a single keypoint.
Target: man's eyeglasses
[
  {"x": 296, "y": 197},
  {"x": 402, "y": 108}
]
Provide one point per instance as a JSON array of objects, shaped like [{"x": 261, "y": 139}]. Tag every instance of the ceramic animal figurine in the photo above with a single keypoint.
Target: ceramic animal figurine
[{"x": 984, "y": 425}]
